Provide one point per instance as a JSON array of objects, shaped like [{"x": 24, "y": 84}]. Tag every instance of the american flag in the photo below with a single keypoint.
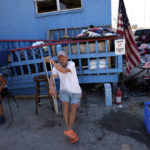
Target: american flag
[{"x": 123, "y": 27}]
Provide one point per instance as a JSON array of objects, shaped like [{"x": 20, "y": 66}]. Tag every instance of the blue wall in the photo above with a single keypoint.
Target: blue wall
[{"x": 18, "y": 19}]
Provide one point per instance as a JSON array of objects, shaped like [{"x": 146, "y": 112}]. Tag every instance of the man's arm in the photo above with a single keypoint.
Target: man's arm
[
  {"x": 58, "y": 67},
  {"x": 3, "y": 82}
]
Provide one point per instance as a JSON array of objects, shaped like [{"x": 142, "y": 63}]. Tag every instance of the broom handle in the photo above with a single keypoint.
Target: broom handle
[
  {"x": 54, "y": 97},
  {"x": 46, "y": 71}
]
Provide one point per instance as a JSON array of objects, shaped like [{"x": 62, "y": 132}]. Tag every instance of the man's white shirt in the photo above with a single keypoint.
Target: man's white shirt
[{"x": 68, "y": 81}]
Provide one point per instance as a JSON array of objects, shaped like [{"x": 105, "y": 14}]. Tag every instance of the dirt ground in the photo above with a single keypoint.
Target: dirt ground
[{"x": 98, "y": 126}]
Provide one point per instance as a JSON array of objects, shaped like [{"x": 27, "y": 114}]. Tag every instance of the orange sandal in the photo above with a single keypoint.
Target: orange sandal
[
  {"x": 76, "y": 138},
  {"x": 70, "y": 134}
]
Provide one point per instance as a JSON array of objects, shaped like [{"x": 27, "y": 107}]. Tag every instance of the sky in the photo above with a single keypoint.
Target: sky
[{"x": 138, "y": 12}]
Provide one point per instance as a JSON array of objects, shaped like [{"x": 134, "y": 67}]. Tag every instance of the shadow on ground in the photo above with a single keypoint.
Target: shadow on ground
[{"x": 125, "y": 124}]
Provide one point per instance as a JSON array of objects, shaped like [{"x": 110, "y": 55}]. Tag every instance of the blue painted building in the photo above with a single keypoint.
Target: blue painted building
[
  {"x": 24, "y": 22},
  {"x": 21, "y": 19}
]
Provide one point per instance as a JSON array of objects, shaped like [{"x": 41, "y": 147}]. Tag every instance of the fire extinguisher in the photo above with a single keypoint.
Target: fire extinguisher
[{"x": 118, "y": 96}]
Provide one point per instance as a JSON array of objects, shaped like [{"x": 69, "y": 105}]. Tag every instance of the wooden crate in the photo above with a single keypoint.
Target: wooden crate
[{"x": 83, "y": 48}]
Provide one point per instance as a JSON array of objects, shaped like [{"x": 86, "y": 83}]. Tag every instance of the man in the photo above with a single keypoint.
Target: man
[
  {"x": 3, "y": 93},
  {"x": 70, "y": 91}
]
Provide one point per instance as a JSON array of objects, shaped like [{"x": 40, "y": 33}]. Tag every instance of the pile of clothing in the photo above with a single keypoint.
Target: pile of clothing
[
  {"x": 144, "y": 50},
  {"x": 96, "y": 32}
]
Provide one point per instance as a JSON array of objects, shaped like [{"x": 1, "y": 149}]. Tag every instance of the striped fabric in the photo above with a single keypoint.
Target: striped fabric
[{"x": 123, "y": 27}]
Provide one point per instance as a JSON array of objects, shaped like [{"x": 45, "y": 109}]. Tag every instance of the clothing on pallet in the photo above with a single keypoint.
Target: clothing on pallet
[{"x": 95, "y": 32}]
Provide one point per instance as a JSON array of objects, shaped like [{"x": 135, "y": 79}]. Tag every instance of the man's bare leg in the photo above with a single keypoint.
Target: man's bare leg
[
  {"x": 66, "y": 113},
  {"x": 72, "y": 115}
]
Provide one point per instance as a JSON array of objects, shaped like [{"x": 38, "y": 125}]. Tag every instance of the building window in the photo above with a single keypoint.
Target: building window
[{"x": 44, "y": 6}]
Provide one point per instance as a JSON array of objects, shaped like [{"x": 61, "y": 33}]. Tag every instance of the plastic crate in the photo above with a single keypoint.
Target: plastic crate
[{"x": 147, "y": 116}]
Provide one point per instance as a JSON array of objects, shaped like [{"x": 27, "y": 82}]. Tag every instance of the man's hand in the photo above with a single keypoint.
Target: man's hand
[
  {"x": 52, "y": 91},
  {"x": 48, "y": 59}
]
